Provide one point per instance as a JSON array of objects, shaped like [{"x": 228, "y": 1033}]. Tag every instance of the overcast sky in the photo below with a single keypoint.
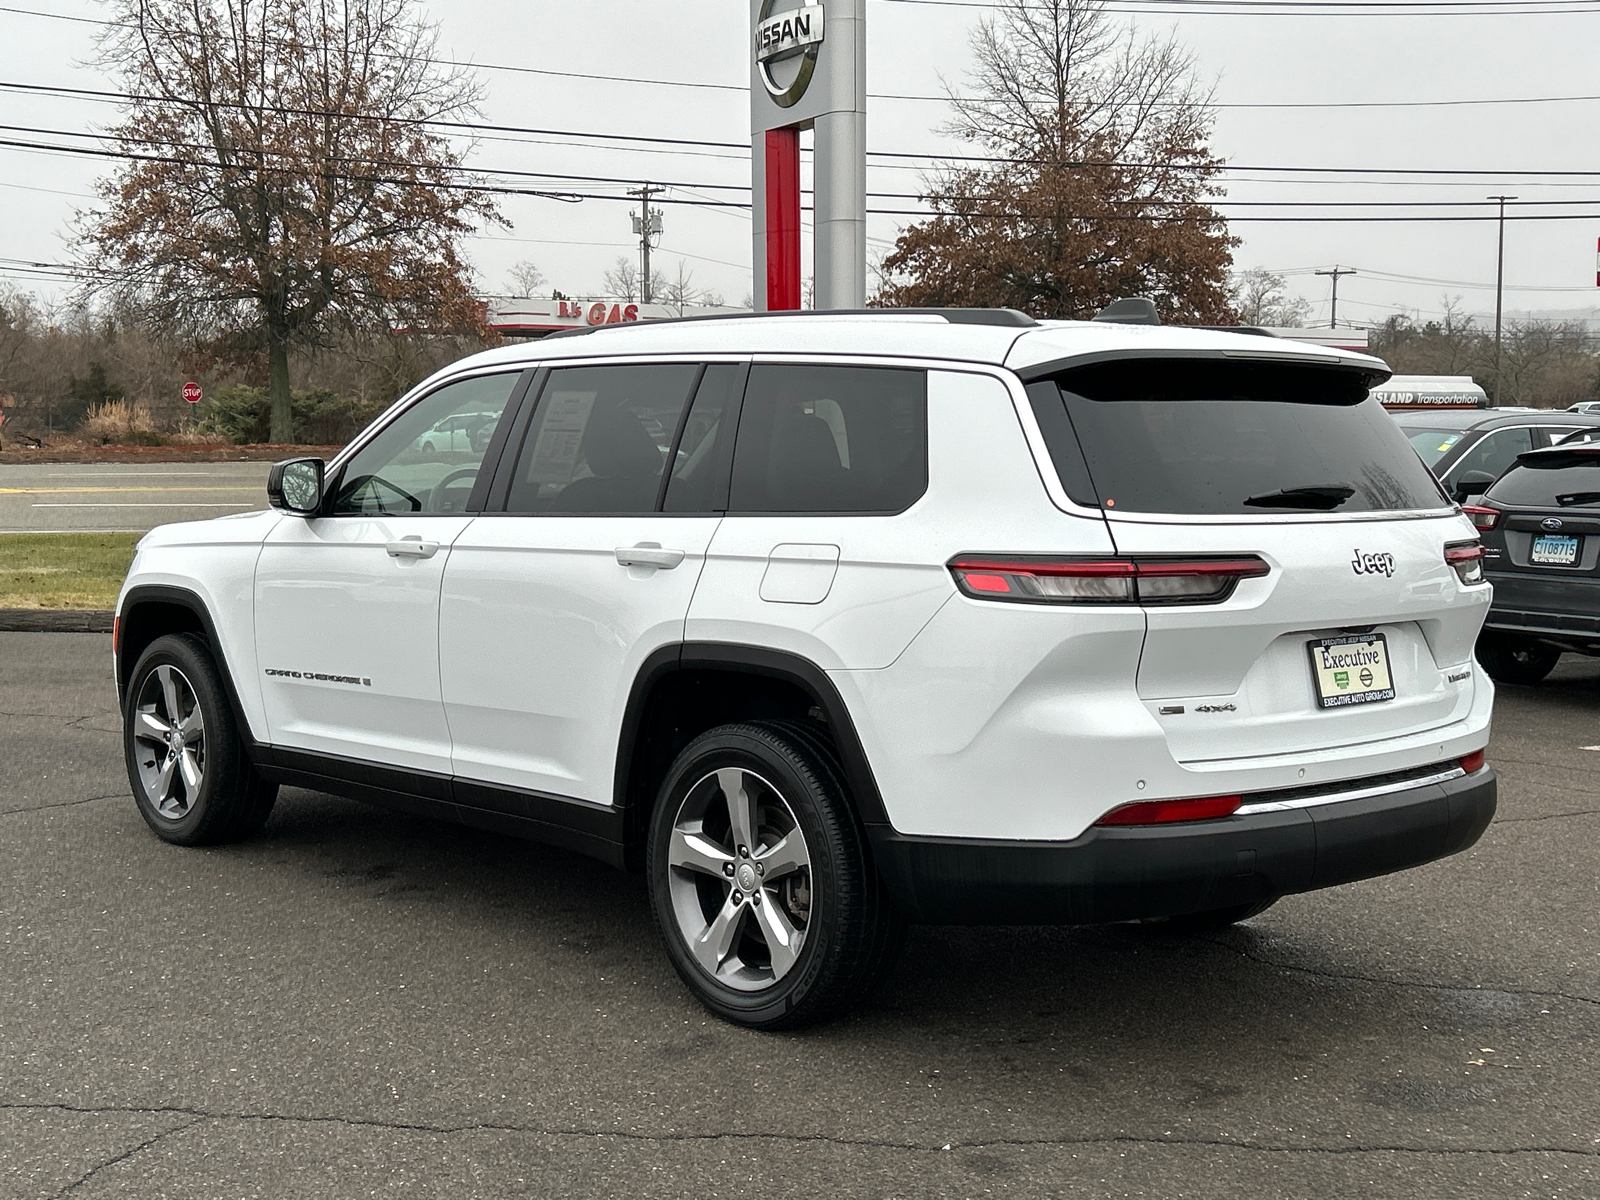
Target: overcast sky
[{"x": 1275, "y": 57}]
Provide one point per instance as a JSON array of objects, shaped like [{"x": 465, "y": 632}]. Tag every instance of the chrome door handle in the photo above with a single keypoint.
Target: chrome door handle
[
  {"x": 649, "y": 554},
  {"x": 411, "y": 547}
]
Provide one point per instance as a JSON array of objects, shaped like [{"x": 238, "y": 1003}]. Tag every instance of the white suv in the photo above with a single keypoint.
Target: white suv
[{"x": 833, "y": 622}]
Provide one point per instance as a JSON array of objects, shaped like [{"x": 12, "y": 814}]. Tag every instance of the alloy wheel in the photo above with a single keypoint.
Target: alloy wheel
[
  {"x": 169, "y": 732},
  {"x": 739, "y": 874}
]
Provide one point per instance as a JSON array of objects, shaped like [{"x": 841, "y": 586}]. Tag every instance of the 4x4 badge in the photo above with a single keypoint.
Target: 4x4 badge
[{"x": 1550, "y": 523}]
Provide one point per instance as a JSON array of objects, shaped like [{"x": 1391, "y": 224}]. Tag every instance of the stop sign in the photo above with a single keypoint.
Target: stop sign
[{"x": 191, "y": 393}]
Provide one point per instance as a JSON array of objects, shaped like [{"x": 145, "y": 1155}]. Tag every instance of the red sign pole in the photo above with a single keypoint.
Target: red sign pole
[{"x": 783, "y": 219}]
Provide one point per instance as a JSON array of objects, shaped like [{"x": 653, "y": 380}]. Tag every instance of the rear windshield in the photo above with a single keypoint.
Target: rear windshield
[
  {"x": 1541, "y": 487},
  {"x": 1217, "y": 437}
]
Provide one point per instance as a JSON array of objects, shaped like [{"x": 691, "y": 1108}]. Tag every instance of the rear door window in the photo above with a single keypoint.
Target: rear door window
[
  {"x": 1218, "y": 437},
  {"x": 1494, "y": 452},
  {"x": 821, "y": 439},
  {"x": 600, "y": 439}
]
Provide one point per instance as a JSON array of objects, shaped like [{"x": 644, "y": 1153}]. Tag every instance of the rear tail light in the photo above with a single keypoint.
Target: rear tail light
[
  {"x": 1473, "y": 762},
  {"x": 1040, "y": 580},
  {"x": 1162, "y": 812},
  {"x": 1467, "y": 559},
  {"x": 1482, "y": 517}
]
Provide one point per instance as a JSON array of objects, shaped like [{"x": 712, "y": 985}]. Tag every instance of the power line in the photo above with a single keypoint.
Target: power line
[
  {"x": 1299, "y": 8},
  {"x": 491, "y": 189},
  {"x": 1189, "y": 6}
]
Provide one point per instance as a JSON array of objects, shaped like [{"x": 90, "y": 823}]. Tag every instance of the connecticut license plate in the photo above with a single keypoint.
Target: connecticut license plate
[
  {"x": 1351, "y": 670},
  {"x": 1554, "y": 550}
]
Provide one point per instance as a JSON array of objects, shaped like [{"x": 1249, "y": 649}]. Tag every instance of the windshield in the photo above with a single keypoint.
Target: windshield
[
  {"x": 1432, "y": 444},
  {"x": 1217, "y": 437}
]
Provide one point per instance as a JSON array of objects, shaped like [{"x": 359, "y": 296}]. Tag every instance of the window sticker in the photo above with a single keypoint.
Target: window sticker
[{"x": 560, "y": 436}]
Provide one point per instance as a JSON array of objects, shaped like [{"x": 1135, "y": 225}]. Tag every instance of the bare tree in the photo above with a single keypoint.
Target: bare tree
[
  {"x": 1103, "y": 179},
  {"x": 526, "y": 278},
  {"x": 622, "y": 280},
  {"x": 679, "y": 291},
  {"x": 1259, "y": 298},
  {"x": 283, "y": 186}
]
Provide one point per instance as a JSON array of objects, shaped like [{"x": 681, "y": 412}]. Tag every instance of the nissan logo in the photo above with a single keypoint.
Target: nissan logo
[
  {"x": 793, "y": 33},
  {"x": 1550, "y": 523}
]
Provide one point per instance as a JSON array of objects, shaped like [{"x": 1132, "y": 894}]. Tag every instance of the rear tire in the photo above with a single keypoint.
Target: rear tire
[
  {"x": 186, "y": 762},
  {"x": 762, "y": 883},
  {"x": 1511, "y": 658}
]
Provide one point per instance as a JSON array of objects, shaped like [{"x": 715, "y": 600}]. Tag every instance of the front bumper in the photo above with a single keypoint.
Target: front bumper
[{"x": 1125, "y": 873}]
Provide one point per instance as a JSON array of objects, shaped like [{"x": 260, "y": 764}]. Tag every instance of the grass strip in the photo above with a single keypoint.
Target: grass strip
[{"x": 64, "y": 570}]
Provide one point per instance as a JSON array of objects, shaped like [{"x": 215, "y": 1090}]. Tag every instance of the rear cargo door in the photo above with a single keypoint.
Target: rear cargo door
[{"x": 1359, "y": 630}]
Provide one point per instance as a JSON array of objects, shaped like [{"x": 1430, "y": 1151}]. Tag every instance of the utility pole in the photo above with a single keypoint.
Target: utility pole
[
  {"x": 1499, "y": 288},
  {"x": 1333, "y": 306},
  {"x": 646, "y": 226}
]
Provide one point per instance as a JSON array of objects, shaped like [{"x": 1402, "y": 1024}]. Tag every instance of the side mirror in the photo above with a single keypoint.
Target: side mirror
[
  {"x": 1472, "y": 483},
  {"x": 296, "y": 486}
]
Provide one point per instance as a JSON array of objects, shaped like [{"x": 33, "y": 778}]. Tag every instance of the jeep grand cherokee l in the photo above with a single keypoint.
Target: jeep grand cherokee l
[{"x": 829, "y": 623}]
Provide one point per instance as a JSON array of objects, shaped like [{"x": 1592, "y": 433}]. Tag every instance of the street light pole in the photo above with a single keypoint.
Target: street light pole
[
  {"x": 1333, "y": 306},
  {"x": 1499, "y": 287}
]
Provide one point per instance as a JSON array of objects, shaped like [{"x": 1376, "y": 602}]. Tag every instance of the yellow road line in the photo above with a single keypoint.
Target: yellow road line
[{"x": 10, "y": 491}]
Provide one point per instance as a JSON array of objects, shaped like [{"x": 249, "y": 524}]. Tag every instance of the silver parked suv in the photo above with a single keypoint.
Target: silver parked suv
[{"x": 832, "y": 622}]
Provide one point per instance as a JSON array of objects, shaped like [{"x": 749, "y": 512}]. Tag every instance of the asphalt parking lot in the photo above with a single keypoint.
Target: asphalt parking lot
[
  {"x": 359, "y": 1003},
  {"x": 98, "y": 497}
]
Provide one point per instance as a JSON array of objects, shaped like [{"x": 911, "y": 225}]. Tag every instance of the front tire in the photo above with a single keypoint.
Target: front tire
[
  {"x": 186, "y": 762},
  {"x": 761, "y": 881},
  {"x": 1509, "y": 658}
]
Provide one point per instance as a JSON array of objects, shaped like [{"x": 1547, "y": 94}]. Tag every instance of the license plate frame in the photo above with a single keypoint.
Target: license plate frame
[
  {"x": 1340, "y": 683},
  {"x": 1545, "y": 544}
]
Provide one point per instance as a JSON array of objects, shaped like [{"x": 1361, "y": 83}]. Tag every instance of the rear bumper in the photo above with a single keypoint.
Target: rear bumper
[
  {"x": 1120, "y": 874},
  {"x": 1559, "y": 627}
]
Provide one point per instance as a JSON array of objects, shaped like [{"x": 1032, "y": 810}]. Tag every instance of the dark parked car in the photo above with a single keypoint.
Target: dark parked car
[
  {"x": 1483, "y": 442},
  {"x": 1540, "y": 524}
]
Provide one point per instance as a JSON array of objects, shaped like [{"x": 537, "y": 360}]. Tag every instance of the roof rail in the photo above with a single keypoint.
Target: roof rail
[
  {"x": 1131, "y": 310},
  {"x": 1255, "y": 330},
  {"x": 1008, "y": 317}
]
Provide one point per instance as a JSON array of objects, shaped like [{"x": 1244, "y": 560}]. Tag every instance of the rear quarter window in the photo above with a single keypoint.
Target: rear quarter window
[
  {"x": 819, "y": 439},
  {"x": 1219, "y": 437}
]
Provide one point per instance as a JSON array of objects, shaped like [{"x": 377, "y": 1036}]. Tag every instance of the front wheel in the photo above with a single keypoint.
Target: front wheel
[
  {"x": 1510, "y": 658},
  {"x": 761, "y": 881},
  {"x": 186, "y": 762}
]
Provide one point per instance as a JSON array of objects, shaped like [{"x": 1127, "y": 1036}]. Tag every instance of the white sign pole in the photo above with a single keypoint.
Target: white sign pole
[{"x": 809, "y": 71}]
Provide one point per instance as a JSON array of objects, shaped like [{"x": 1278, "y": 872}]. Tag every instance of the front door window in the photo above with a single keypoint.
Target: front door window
[{"x": 427, "y": 459}]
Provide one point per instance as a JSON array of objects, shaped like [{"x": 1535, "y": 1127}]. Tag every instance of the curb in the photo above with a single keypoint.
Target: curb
[{"x": 54, "y": 620}]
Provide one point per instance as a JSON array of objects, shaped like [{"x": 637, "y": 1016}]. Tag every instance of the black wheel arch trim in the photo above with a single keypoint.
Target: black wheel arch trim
[
  {"x": 757, "y": 660},
  {"x": 167, "y": 594}
]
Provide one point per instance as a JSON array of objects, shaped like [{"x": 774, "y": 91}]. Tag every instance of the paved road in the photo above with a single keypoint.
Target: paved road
[
  {"x": 358, "y": 1003},
  {"x": 118, "y": 496}
]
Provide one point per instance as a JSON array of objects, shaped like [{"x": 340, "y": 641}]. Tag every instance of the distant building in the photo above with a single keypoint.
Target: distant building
[{"x": 521, "y": 318}]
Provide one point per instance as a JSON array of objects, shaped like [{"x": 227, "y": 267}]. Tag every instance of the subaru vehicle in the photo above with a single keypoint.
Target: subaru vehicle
[
  {"x": 1468, "y": 448},
  {"x": 1540, "y": 525},
  {"x": 828, "y": 623}
]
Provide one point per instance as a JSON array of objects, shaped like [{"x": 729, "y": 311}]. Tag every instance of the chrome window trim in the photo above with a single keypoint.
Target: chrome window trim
[{"x": 1358, "y": 793}]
